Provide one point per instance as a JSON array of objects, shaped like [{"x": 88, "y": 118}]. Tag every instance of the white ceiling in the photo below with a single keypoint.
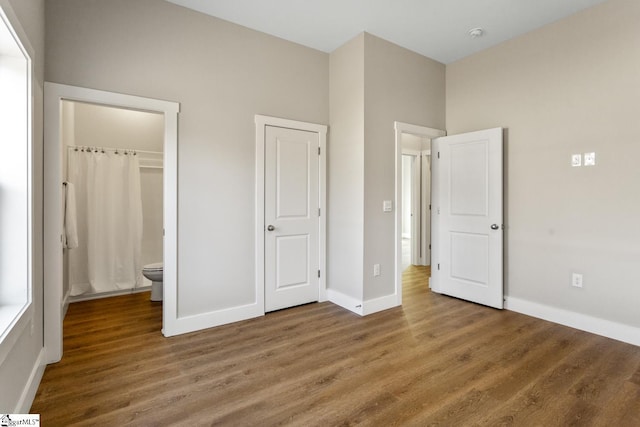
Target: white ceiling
[{"x": 437, "y": 29}]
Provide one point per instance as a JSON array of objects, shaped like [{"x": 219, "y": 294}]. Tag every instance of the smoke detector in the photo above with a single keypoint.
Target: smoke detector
[{"x": 476, "y": 33}]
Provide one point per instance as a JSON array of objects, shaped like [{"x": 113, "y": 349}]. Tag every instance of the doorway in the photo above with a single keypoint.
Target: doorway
[
  {"x": 112, "y": 162},
  {"x": 408, "y": 205},
  {"x": 55, "y": 300},
  {"x": 290, "y": 212},
  {"x": 416, "y": 201},
  {"x": 414, "y": 142}
]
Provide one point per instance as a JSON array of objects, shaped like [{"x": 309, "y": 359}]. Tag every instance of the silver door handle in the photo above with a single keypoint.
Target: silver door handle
[
  {"x": 494, "y": 226},
  {"x": 270, "y": 228}
]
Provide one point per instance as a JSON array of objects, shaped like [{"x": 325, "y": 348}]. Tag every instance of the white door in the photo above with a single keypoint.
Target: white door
[
  {"x": 291, "y": 217},
  {"x": 468, "y": 205}
]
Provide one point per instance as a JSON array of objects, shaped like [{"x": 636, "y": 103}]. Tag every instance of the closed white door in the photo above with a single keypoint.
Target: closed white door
[
  {"x": 291, "y": 217},
  {"x": 468, "y": 203}
]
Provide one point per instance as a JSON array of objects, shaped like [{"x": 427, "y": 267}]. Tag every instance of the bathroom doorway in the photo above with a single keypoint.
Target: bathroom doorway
[
  {"x": 112, "y": 163},
  {"x": 56, "y": 298}
]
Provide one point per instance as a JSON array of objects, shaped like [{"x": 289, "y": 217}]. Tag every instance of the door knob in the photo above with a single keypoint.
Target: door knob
[
  {"x": 270, "y": 227},
  {"x": 494, "y": 226}
]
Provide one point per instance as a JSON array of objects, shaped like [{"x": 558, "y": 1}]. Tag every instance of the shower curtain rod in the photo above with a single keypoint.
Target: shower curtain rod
[{"x": 128, "y": 150}]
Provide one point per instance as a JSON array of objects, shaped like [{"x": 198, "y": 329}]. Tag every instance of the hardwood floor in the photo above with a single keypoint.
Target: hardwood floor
[{"x": 435, "y": 361}]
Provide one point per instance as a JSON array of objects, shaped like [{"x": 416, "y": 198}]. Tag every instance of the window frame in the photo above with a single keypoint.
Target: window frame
[{"x": 16, "y": 316}]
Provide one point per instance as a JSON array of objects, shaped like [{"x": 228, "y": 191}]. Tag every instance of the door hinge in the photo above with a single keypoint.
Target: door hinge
[
  {"x": 429, "y": 207},
  {"x": 429, "y": 246},
  {"x": 318, "y": 151},
  {"x": 319, "y": 212},
  {"x": 318, "y": 274},
  {"x": 438, "y": 154},
  {"x": 438, "y": 266}
]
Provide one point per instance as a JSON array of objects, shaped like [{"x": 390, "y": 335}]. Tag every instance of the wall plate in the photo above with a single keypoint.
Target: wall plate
[
  {"x": 589, "y": 159},
  {"x": 576, "y": 160}
]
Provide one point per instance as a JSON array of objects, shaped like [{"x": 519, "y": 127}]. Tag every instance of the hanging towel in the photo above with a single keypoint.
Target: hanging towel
[{"x": 70, "y": 219}]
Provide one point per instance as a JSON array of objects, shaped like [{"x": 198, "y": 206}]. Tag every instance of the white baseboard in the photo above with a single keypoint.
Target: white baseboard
[
  {"x": 363, "y": 308},
  {"x": 606, "y": 328},
  {"x": 30, "y": 389},
  {"x": 345, "y": 301},
  {"x": 100, "y": 295},
  {"x": 186, "y": 324},
  {"x": 379, "y": 304}
]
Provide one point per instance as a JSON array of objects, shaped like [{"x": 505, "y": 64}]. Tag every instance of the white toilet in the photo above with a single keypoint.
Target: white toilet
[{"x": 154, "y": 273}]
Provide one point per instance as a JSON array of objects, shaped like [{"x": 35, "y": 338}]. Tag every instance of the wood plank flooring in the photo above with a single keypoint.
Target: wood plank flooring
[{"x": 435, "y": 361}]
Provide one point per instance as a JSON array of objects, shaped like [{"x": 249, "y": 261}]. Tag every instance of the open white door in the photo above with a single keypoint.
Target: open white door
[{"x": 467, "y": 214}]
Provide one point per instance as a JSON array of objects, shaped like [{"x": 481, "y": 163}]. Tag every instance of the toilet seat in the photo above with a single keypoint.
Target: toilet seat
[{"x": 157, "y": 266}]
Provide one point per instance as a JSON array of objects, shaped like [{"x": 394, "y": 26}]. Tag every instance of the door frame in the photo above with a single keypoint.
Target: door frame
[
  {"x": 423, "y": 132},
  {"x": 55, "y": 303},
  {"x": 425, "y": 206},
  {"x": 416, "y": 193},
  {"x": 261, "y": 123}
]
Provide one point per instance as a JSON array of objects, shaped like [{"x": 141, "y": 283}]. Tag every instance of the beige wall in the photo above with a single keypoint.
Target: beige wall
[
  {"x": 102, "y": 126},
  {"x": 373, "y": 84},
  {"x": 346, "y": 169},
  {"x": 400, "y": 85},
  {"x": 570, "y": 87},
  {"x": 22, "y": 360},
  {"x": 222, "y": 75}
]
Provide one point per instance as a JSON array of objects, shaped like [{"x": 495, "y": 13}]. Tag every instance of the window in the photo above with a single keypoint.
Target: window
[{"x": 15, "y": 180}]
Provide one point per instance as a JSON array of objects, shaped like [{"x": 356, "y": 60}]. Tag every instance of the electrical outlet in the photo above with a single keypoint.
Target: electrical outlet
[
  {"x": 576, "y": 280},
  {"x": 589, "y": 159},
  {"x": 376, "y": 269},
  {"x": 576, "y": 160}
]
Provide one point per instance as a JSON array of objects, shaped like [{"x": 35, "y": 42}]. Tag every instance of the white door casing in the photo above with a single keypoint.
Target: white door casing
[
  {"x": 54, "y": 299},
  {"x": 290, "y": 197},
  {"x": 468, "y": 216},
  {"x": 291, "y": 217}
]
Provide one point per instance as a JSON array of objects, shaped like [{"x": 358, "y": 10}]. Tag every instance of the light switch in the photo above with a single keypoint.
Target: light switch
[
  {"x": 576, "y": 160},
  {"x": 589, "y": 159},
  {"x": 387, "y": 206}
]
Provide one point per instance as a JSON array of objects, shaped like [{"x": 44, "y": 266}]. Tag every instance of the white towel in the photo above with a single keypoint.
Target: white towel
[{"x": 70, "y": 219}]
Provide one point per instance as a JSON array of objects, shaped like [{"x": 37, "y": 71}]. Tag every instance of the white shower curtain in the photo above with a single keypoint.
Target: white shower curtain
[{"x": 109, "y": 220}]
